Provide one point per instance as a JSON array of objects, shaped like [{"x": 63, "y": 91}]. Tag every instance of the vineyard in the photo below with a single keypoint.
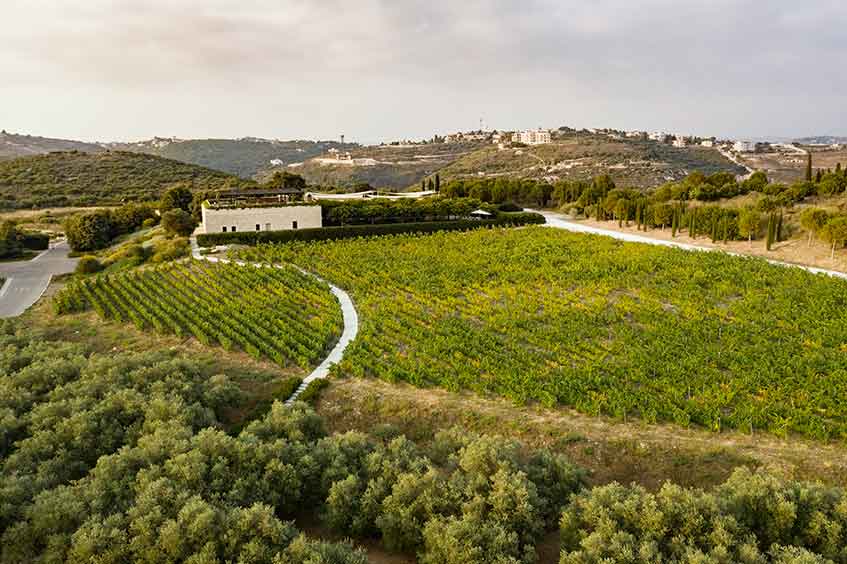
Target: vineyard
[
  {"x": 277, "y": 313},
  {"x": 607, "y": 327}
]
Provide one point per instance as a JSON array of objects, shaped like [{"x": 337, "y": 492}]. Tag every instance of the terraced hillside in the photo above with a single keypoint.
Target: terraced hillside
[
  {"x": 607, "y": 327},
  {"x": 84, "y": 179}
]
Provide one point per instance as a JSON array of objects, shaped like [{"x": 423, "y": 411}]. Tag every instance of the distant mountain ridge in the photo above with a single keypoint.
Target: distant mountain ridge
[
  {"x": 823, "y": 140},
  {"x": 13, "y": 145},
  {"x": 245, "y": 157}
]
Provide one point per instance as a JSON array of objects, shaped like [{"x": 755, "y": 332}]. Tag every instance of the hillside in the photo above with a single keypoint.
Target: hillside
[
  {"x": 13, "y": 145},
  {"x": 242, "y": 157},
  {"x": 582, "y": 156},
  {"x": 381, "y": 166},
  {"x": 571, "y": 156},
  {"x": 84, "y": 179}
]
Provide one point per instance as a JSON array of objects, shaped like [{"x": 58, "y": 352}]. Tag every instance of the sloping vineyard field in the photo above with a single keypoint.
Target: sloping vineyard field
[
  {"x": 607, "y": 327},
  {"x": 278, "y": 313}
]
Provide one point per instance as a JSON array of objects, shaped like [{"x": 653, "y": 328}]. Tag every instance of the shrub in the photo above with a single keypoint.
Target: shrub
[
  {"x": 171, "y": 250},
  {"x": 10, "y": 245},
  {"x": 149, "y": 223},
  {"x": 177, "y": 197},
  {"x": 178, "y": 222},
  {"x": 88, "y": 265},
  {"x": 34, "y": 241},
  {"x": 352, "y": 231},
  {"x": 313, "y": 390}
]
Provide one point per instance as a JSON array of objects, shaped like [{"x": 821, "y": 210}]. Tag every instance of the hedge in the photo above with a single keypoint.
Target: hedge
[
  {"x": 351, "y": 231},
  {"x": 35, "y": 241},
  {"x": 313, "y": 390}
]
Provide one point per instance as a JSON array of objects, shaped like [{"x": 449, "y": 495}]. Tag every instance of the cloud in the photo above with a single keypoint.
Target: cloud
[{"x": 407, "y": 66}]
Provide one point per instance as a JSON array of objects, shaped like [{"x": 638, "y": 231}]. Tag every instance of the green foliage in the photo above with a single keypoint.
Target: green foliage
[
  {"x": 90, "y": 231},
  {"x": 358, "y": 231},
  {"x": 383, "y": 210},
  {"x": 278, "y": 313},
  {"x": 606, "y": 327},
  {"x": 10, "y": 240},
  {"x": 174, "y": 249},
  {"x": 177, "y": 197},
  {"x": 88, "y": 264},
  {"x": 313, "y": 391},
  {"x": 178, "y": 222},
  {"x": 143, "y": 473},
  {"x": 285, "y": 179},
  {"x": 752, "y": 518},
  {"x": 86, "y": 179}
]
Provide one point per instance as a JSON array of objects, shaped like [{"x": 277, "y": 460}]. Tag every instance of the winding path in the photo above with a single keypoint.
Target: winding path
[
  {"x": 348, "y": 312},
  {"x": 26, "y": 280},
  {"x": 559, "y": 221}
]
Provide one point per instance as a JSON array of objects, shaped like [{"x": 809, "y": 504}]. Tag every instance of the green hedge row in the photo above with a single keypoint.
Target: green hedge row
[
  {"x": 35, "y": 241},
  {"x": 351, "y": 231}
]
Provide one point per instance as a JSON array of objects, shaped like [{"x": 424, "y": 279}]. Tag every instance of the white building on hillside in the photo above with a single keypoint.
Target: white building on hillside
[
  {"x": 680, "y": 142},
  {"x": 707, "y": 143},
  {"x": 532, "y": 137},
  {"x": 744, "y": 147},
  {"x": 237, "y": 211},
  {"x": 659, "y": 136}
]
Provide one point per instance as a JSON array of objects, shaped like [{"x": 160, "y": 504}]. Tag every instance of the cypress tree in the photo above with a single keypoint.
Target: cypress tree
[
  {"x": 674, "y": 221},
  {"x": 437, "y": 183},
  {"x": 779, "y": 228},
  {"x": 809, "y": 167},
  {"x": 423, "y": 185},
  {"x": 818, "y": 176}
]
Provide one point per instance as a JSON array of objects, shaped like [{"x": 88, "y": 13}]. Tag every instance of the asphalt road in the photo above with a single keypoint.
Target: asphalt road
[{"x": 27, "y": 280}]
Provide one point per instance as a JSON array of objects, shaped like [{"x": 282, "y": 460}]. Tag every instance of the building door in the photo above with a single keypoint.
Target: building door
[
  {"x": 293, "y": 225},
  {"x": 224, "y": 228},
  {"x": 258, "y": 227},
  {"x": 234, "y": 229}
]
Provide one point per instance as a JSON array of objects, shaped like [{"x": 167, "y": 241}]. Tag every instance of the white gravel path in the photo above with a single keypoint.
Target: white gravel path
[
  {"x": 559, "y": 221},
  {"x": 348, "y": 312}
]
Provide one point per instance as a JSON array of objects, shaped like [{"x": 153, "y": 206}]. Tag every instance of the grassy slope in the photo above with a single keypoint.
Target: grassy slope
[{"x": 85, "y": 179}]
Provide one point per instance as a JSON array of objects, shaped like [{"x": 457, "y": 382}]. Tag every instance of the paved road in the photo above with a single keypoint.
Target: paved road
[
  {"x": 561, "y": 222},
  {"x": 348, "y": 313},
  {"x": 27, "y": 280}
]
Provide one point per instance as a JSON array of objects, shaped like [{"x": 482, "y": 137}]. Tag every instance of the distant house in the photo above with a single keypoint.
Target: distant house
[
  {"x": 532, "y": 137},
  {"x": 660, "y": 136},
  {"x": 744, "y": 147},
  {"x": 680, "y": 142},
  {"x": 707, "y": 143}
]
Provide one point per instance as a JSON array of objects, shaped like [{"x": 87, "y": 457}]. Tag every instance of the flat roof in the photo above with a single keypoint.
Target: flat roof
[{"x": 257, "y": 193}]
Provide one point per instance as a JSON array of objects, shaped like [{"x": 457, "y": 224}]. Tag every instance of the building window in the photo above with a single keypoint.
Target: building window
[
  {"x": 258, "y": 227},
  {"x": 267, "y": 227},
  {"x": 293, "y": 225},
  {"x": 234, "y": 229},
  {"x": 224, "y": 228}
]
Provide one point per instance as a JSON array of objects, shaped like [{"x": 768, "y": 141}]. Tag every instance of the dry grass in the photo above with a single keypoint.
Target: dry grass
[{"x": 611, "y": 450}]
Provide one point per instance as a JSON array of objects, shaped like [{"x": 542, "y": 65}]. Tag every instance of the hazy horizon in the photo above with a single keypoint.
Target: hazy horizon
[{"x": 380, "y": 70}]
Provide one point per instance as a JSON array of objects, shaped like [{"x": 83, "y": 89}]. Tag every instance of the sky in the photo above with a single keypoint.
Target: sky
[{"x": 379, "y": 70}]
